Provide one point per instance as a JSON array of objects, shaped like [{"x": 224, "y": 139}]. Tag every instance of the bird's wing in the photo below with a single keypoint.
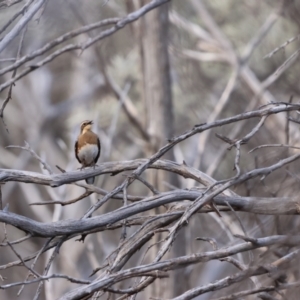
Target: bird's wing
[
  {"x": 99, "y": 150},
  {"x": 76, "y": 151}
]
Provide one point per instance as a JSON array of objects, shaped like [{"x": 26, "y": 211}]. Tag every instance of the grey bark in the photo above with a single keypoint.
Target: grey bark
[{"x": 160, "y": 118}]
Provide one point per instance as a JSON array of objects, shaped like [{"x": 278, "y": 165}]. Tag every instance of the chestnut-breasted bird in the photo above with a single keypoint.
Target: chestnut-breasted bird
[{"x": 87, "y": 147}]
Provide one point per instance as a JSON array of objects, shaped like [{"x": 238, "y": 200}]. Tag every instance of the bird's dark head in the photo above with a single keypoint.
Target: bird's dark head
[{"x": 86, "y": 125}]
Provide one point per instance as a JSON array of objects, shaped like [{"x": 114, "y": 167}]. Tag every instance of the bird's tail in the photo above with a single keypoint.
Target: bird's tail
[{"x": 90, "y": 180}]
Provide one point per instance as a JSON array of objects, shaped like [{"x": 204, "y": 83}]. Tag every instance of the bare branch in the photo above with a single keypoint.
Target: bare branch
[
  {"x": 282, "y": 46},
  {"x": 119, "y": 25},
  {"x": 179, "y": 262},
  {"x": 28, "y": 15},
  {"x": 31, "y": 151},
  {"x": 229, "y": 280}
]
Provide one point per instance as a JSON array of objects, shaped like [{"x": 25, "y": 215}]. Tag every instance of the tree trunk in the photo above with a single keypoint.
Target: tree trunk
[{"x": 157, "y": 95}]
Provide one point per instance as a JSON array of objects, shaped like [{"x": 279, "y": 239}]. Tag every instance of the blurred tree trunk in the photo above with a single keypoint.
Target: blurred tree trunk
[{"x": 157, "y": 93}]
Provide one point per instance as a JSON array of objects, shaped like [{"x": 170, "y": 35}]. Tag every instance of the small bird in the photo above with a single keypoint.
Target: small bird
[{"x": 87, "y": 147}]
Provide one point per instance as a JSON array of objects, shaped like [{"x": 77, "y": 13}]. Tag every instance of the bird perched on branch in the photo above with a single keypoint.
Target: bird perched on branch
[{"x": 87, "y": 148}]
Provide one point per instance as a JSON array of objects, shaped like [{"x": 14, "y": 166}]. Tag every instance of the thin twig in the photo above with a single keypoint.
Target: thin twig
[
  {"x": 9, "y": 94},
  {"x": 33, "y": 153},
  {"x": 28, "y": 15},
  {"x": 282, "y": 46},
  {"x": 15, "y": 16},
  {"x": 273, "y": 145},
  {"x": 21, "y": 259},
  {"x": 71, "y": 47}
]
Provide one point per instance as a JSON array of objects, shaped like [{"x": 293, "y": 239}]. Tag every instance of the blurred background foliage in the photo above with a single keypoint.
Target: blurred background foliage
[{"x": 48, "y": 105}]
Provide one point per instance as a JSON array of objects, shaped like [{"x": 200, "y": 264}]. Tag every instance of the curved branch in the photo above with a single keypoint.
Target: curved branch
[
  {"x": 274, "y": 206},
  {"x": 113, "y": 168}
]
